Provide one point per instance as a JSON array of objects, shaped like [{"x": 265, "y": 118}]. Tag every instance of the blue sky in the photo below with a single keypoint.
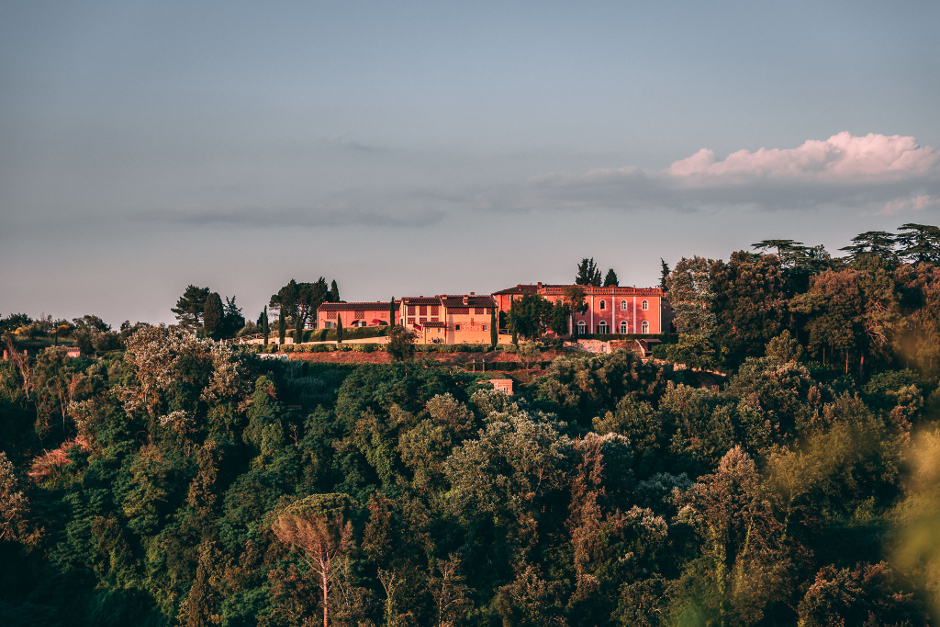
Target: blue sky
[{"x": 417, "y": 148}]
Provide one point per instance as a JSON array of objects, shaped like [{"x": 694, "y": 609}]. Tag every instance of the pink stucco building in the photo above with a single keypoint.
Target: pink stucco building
[{"x": 609, "y": 309}]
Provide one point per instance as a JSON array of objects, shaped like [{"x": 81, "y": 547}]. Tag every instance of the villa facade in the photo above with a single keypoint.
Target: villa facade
[
  {"x": 614, "y": 309},
  {"x": 444, "y": 319},
  {"x": 367, "y": 314}
]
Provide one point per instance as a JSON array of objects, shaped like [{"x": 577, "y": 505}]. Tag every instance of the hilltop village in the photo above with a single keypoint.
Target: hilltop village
[{"x": 467, "y": 318}]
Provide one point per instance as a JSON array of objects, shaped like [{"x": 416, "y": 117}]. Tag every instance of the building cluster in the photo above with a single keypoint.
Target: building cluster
[{"x": 467, "y": 319}]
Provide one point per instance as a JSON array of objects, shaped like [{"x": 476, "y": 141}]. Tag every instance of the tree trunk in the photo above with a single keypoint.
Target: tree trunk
[
  {"x": 846, "y": 362},
  {"x": 326, "y": 606}
]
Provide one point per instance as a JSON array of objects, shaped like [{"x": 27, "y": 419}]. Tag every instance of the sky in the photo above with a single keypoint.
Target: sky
[{"x": 418, "y": 148}]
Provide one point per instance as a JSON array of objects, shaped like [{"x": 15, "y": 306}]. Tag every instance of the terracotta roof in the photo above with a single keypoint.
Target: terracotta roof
[
  {"x": 519, "y": 289},
  {"x": 372, "y": 306},
  {"x": 472, "y": 301},
  {"x": 604, "y": 291},
  {"x": 421, "y": 300}
]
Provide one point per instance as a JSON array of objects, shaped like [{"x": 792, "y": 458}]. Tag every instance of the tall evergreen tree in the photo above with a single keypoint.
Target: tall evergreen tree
[
  {"x": 664, "y": 273},
  {"x": 494, "y": 332},
  {"x": 588, "y": 273},
  {"x": 391, "y": 312},
  {"x": 265, "y": 329},
  {"x": 919, "y": 243},
  {"x": 232, "y": 319},
  {"x": 334, "y": 292},
  {"x": 213, "y": 316},
  {"x": 611, "y": 279},
  {"x": 512, "y": 322},
  {"x": 339, "y": 327},
  {"x": 281, "y": 329},
  {"x": 191, "y": 306},
  {"x": 298, "y": 329},
  {"x": 871, "y": 244}
]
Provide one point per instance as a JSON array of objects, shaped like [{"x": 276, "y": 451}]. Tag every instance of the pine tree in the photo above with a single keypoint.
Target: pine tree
[
  {"x": 665, "y": 271},
  {"x": 190, "y": 307}
]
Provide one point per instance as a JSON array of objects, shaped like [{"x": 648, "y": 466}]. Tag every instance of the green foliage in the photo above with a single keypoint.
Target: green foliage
[
  {"x": 588, "y": 273},
  {"x": 611, "y": 279},
  {"x": 213, "y": 315},
  {"x": 190, "y": 307},
  {"x": 180, "y": 481},
  {"x": 401, "y": 343},
  {"x": 531, "y": 316}
]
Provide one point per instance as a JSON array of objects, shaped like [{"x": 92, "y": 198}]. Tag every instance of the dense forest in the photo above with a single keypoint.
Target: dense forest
[{"x": 790, "y": 476}]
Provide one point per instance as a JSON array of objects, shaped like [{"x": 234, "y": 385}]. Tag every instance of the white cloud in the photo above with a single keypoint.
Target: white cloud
[
  {"x": 842, "y": 157},
  {"x": 890, "y": 173}
]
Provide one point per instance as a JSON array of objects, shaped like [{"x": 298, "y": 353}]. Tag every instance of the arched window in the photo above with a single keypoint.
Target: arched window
[
  {"x": 623, "y": 327},
  {"x": 645, "y": 326},
  {"x": 646, "y": 305},
  {"x": 602, "y": 327},
  {"x": 582, "y": 327},
  {"x": 603, "y": 304},
  {"x": 623, "y": 305}
]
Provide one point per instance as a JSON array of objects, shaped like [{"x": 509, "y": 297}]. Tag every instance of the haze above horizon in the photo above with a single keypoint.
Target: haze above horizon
[{"x": 420, "y": 148}]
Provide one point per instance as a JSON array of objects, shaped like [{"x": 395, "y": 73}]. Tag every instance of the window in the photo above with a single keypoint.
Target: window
[
  {"x": 582, "y": 327},
  {"x": 603, "y": 305},
  {"x": 456, "y": 327},
  {"x": 623, "y": 305},
  {"x": 434, "y": 309},
  {"x": 602, "y": 327},
  {"x": 424, "y": 310},
  {"x": 645, "y": 327},
  {"x": 485, "y": 328},
  {"x": 645, "y": 305},
  {"x": 623, "y": 327}
]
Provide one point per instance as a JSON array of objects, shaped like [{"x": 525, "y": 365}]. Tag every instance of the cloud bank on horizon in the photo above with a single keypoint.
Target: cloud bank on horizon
[{"x": 875, "y": 173}]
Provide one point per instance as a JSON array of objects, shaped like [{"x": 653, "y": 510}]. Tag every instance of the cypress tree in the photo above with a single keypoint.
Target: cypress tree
[
  {"x": 494, "y": 332},
  {"x": 334, "y": 292},
  {"x": 265, "y": 330},
  {"x": 212, "y": 316},
  {"x": 512, "y": 322},
  {"x": 298, "y": 329},
  {"x": 281, "y": 328},
  {"x": 391, "y": 310},
  {"x": 339, "y": 327}
]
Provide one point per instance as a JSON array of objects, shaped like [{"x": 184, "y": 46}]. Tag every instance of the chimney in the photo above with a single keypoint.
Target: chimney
[
  {"x": 466, "y": 301},
  {"x": 472, "y": 294},
  {"x": 539, "y": 285}
]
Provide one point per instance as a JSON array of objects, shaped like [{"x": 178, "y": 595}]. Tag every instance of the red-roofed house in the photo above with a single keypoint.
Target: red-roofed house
[
  {"x": 609, "y": 309},
  {"x": 448, "y": 319},
  {"x": 369, "y": 314}
]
